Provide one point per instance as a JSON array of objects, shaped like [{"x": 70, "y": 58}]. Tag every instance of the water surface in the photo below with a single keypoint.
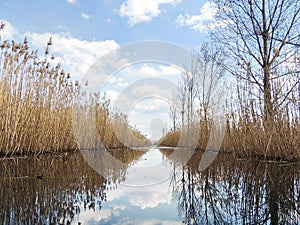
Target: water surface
[{"x": 147, "y": 186}]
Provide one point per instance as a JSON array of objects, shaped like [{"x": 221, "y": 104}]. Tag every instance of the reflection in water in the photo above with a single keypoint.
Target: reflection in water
[
  {"x": 50, "y": 190},
  {"x": 148, "y": 187},
  {"x": 233, "y": 191}
]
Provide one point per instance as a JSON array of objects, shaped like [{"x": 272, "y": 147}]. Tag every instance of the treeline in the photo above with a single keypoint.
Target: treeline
[
  {"x": 251, "y": 76},
  {"x": 38, "y": 101},
  {"x": 210, "y": 98}
]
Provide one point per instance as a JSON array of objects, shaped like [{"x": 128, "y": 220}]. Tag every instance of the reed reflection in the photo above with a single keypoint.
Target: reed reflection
[
  {"x": 49, "y": 190},
  {"x": 236, "y": 191}
]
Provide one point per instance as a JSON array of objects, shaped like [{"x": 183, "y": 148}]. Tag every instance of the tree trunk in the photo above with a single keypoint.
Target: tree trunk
[
  {"x": 174, "y": 123},
  {"x": 268, "y": 105}
]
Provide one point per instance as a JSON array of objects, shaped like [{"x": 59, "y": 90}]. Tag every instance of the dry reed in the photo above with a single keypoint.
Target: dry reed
[
  {"x": 246, "y": 135},
  {"x": 37, "y": 100}
]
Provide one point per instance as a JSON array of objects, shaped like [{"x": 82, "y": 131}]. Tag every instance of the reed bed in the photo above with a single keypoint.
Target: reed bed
[
  {"x": 37, "y": 103},
  {"x": 247, "y": 136}
]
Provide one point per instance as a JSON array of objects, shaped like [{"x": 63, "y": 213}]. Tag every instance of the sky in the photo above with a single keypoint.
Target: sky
[
  {"x": 84, "y": 31},
  {"x": 145, "y": 197}
]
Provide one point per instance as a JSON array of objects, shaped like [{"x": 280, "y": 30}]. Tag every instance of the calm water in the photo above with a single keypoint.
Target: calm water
[{"x": 147, "y": 187}]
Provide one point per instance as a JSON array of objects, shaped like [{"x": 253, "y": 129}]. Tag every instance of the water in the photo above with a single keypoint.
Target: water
[{"x": 150, "y": 187}]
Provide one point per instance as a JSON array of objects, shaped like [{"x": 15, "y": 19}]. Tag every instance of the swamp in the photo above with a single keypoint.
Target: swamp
[{"x": 201, "y": 127}]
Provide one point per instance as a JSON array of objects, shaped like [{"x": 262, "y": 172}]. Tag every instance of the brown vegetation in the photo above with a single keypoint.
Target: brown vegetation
[
  {"x": 255, "y": 41},
  {"x": 57, "y": 183},
  {"x": 245, "y": 134},
  {"x": 37, "y": 103},
  {"x": 242, "y": 108}
]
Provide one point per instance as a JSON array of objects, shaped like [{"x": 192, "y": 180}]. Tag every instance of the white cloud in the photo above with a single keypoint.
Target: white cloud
[
  {"x": 60, "y": 27},
  {"x": 85, "y": 16},
  {"x": 112, "y": 95},
  {"x": 118, "y": 82},
  {"x": 152, "y": 89},
  {"x": 156, "y": 221},
  {"x": 150, "y": 196},
  {"x": 144, "y": 101},
  {"x": 151, "y": 70},
  {"x": 160, "y": 71},
  {"x": 138, "y": 11},
  {"x": 150, "y": 199},
  {"x": 75, "y": 55},
  {"x": 9, "y": 31},
  {"x": 151, "y": 116},
  {"x": 150, "y": 105},
  {"x": 119, "y": 207},
  {"x": 202, "y": 21},
  {"x": 146, "y": 185},
  {"x": 90, "y": 216},
  {"x": 72, "y": 1}
]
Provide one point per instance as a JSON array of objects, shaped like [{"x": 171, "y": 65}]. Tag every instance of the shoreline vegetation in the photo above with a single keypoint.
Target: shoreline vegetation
[
  {"x": 43, "y": 111},
  {"x": 209, "y": 105},
  {"x": 37, "y": 104},
  {"x": 252, "y": 71},
  {"x": 246, "y": 139}
]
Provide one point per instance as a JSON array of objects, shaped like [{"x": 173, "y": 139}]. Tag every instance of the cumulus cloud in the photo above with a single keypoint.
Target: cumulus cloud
[
  {"x": 156, "y": 221},
  {"x": 152, "y": 70},
  {"x": 112, "y": 95},
  {"x": 162, "y": 70},
  {"x": 150, "y": 199},
  {"x": 142, "y": 11},
  {"x": 138, "y": 189},
  {"x": 75, "y": 55},
  {"x": 85, "y": 15},
  {"x": 202, "y": 21},
  {"x": 72, "y": 1},
  {"x": 89, "y": 216},
  {"x": 118, "y": 82},
  {"x": 146, "y": 113},
  {"x": 150, "y": 105},
  {"x": 9, "y": 31}
]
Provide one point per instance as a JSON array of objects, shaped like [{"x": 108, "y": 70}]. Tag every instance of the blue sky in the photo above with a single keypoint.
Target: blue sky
[
  {"x": 145, "y": 197},
  {"x": 83, "y": 31},
  {"x": 122, "y": 21}
]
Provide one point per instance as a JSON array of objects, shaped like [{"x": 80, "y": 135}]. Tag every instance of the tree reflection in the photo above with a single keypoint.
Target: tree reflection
[
  {"x": 236, "y": 191},
  {"x": 51, "y": 190}
]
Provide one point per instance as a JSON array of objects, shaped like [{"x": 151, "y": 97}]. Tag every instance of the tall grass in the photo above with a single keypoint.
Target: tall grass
[
  {"x": 246, "y": 137},
  {"x": 245, "y": 133},
  {"x": 96, "y": 125},
  {"x": 37, "y": 100}
]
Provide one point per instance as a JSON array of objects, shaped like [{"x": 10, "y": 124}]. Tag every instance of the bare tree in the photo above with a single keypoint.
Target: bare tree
[
  {"x": 182, "y": 95},
  {"x": 209, "y": 78},
  {"x": 189, "y": 80},
  {"x": 261, "y": 35},
  {"x": 174, "y": 110},
  {"x": 199, "y": 87}
]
